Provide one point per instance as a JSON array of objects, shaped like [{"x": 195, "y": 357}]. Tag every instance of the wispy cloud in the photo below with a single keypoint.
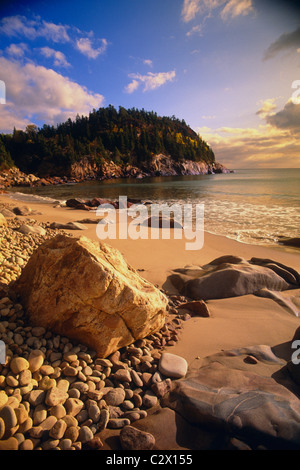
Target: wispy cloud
[
  {"x": 31, "y": 29},
  {"x": 227, "y": 9},
  {"x": 268, "y": 106},
  {"x": 85, "y": 46},
  {"x": 274, "y": 142},
  {"x": 284, "y": 42},
  {"x": 132, "y": 86},
  {"x": 235, "y": 8},
  {"x": 151, "y": 81},
  {"x": 59, "y": 58},
  {"x": 148, "y": 62},
  {"x": 195, "y": 30},
  {"x": 19, "y": 25},
  {"x": 190, "y": 9},
  {"x": 17, "y": 50}
]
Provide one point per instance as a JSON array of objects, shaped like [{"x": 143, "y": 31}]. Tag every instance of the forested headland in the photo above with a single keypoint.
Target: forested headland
[{"x": 123, "y": 136}]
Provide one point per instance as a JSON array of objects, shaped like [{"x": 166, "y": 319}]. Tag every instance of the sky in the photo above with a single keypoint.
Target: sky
[{"x": 229, "y": 68}]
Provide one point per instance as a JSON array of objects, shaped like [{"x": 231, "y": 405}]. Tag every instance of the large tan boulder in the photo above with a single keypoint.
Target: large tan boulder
[
  {"x": 88, "y": 292},
  {"x": 2, "y": 220}
]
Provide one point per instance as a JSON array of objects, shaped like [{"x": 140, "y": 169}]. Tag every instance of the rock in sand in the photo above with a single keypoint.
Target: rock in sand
[{"x": 88, "y": 292}]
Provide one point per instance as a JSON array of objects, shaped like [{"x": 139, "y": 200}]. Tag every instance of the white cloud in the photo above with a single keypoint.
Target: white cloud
[
  {"x": 195, "y": 30},
  {"x": 17, "y": 50},
  {"x": 59, "y": 58},
  {"x": 37, "y": 93},
  {"x": 272, "y": 144},
  {"x": 151, "y": 80},
  {"x": 236, "y": 8},
  {"x": 148, "y": 62},
  {"x": 132, "y": 86},
  {"x": 84, "y": 45},
  {"x": 190, "y": 9},
  {"x": 19, "y": 25},
  {"x": 54, "y": 32},
  {"x": 268, "y": 106},
  {"x": 230, "y": 8},
  {"x": 265, "y": 146}
]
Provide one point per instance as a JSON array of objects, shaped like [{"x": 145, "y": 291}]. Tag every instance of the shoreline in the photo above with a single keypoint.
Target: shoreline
[
  {"x": 240, "y": 334},
  {"x": 28, "y": 198},
  {"x": 155, "y": 260}
]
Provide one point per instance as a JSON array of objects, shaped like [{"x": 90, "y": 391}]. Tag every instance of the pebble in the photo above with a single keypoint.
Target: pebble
[
  {"x": 94, "y": 412},
  {"x": 39, "y": 415},
  {"x": 58, "y": 430},
  {"x": 172, "y": 365},
  {"x": 50, "y": 444},
  {"x": 58, "y": 411},
  {"x": 9, "y": 418},
  {"x": 122, "y": 375},
  {"x": 65, "y": 444},
  {"x": 115, "y": 397},
  {"x": 103, "y": 419},
  {"x": 18, "y": 364},
  {"x": 9, "y": 444},
  {"x": 56, "y": 390},
  {"x": 55, "y": 396},
  {"x": 95, "y": 443},
  {"x": 27, "y": 444},
  {"x": 35, "y": 360},
  {"x": 118, "y": 423},
  {"x": 21, "y": 414},
  {"x": 36, "y": 397},
  {"x": 127, "y": 405},
  {"x": 72, "y": 433},
  {"x": 73, "y": 406},
  {"x": 25, "y": 377},
  {"x": 38, "y": 432},
  {"x": 85, "y": 434},
  {"x": 2, "y": 428},
  {"x": 149, "y": 399},
  {"x": 136, "y": 378},
  {"x": 138, "y": 401},
  {"x": 3, "y": 398},
  {"x": 135, "y": 439}
]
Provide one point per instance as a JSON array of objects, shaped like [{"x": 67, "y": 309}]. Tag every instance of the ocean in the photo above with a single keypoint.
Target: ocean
[{"x": 251, "y": 206}]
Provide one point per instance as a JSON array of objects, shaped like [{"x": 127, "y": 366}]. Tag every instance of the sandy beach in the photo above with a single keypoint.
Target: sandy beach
[
  {"x": 244, "y": 323},
  {"x": 234, "y": 322}
]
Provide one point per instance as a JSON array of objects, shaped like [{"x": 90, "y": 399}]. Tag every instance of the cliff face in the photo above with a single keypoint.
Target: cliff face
[
  {"x": 163, "y": 165},
  {"x": 87, "y": 169},
  {"x": 160, "y": 165}
]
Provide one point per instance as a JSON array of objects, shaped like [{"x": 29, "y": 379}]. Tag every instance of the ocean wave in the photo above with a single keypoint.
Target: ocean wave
[{"x": 26, "y": 197}]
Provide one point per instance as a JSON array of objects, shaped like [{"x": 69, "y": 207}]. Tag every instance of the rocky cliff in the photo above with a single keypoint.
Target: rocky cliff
[
  {"x": 160, "y": 165},
  {"x": 88, "y": 169}
]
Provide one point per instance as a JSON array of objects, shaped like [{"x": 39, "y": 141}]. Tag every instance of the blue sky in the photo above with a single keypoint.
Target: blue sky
[{"x": 224, "y": 66}]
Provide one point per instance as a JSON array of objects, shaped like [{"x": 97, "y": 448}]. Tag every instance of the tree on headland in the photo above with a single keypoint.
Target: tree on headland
[{"x": 124, "y": 136}]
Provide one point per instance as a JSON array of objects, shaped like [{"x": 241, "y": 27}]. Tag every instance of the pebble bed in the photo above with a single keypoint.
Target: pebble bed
[{"x": 57, "y": 394}]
